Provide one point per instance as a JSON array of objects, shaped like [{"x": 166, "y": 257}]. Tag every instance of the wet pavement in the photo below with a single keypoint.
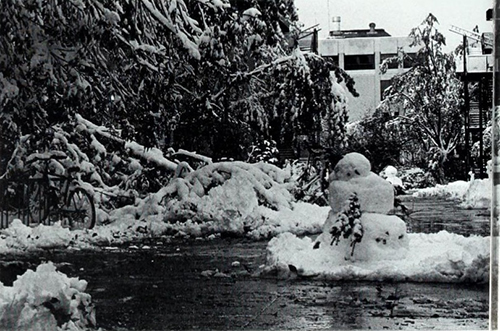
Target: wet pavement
[
  {"x": 191, "y": 284},
  {"x": 430, "y": 215}
]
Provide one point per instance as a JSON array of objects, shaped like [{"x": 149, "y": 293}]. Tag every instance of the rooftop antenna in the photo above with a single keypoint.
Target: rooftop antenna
[
  {"x": 328, "y": 9},
  {"x": 474, "y": 35}
]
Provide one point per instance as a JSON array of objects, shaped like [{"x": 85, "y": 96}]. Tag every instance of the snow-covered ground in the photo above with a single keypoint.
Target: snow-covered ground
[{"x": 438, "y": 257}]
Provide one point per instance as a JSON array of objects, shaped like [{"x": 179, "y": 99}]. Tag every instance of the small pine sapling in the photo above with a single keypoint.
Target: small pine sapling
[{"x": 348, "y": 223}]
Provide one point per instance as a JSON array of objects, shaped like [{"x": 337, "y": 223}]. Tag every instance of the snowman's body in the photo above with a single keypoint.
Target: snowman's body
[
  {"x": 390, "y": 174},
  {"x": 384, "y": 235},
  {"x": 376, "y": 194}
]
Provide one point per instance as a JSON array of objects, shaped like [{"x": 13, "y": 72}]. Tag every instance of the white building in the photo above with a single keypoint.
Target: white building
[{"x": 360, "y": 53}]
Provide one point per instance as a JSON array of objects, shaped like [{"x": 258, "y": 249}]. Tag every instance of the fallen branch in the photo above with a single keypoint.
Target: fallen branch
[{"x": 153, "y": 155}]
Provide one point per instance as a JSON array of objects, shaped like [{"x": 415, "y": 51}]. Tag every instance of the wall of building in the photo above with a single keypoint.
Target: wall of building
[{"x": 361, "y": 58}]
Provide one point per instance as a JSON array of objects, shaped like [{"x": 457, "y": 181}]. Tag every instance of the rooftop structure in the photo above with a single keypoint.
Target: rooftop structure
[{"x": 358, "y": 33}]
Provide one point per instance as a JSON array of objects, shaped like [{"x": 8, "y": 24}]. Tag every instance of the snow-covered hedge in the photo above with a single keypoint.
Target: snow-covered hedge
[{"x": 46, "y": 299}]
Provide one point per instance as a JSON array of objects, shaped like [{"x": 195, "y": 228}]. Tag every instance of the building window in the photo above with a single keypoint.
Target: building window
[
  {"x": 332, "y": 59},
  {"x": 409, "y": 60},
  {"x": 359, "y": 62},
  {"x": 391, "y": 65},
  {"x": 384, "y": 84}
]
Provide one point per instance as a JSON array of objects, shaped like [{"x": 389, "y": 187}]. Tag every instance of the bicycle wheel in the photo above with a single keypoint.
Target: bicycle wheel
[
  {"x": 37, "y": 204},
  {"x": 80, "y": 209}
]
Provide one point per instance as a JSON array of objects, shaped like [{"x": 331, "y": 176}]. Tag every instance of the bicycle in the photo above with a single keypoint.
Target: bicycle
[{"x": 68, "y": 202}]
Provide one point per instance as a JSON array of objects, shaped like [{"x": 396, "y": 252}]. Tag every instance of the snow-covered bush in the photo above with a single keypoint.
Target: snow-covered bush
[
  {"x": 229, "y": 197},
  {"x": 266, "y": 151},
  {"x": 416, "y": 178},
  {"x": 348, "y": 224},
  {"x": 46, "y": 299},
  {"x": 114, "y": 171}
]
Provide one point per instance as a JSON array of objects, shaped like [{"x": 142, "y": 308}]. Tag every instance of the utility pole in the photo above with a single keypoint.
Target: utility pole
[
  {"x": 494, "y": 295},
  {"x": 484, "y": 106},
  {"x": 466, "y": 106}
]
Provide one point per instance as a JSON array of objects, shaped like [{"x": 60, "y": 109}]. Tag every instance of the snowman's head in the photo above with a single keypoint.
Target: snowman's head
[
  {"x": 391, "y": 171},
  {"x": 352, "y": 165}
]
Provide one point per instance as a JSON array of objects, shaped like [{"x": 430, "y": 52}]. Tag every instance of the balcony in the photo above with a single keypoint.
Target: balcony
[{"x": 480, "y": 63}]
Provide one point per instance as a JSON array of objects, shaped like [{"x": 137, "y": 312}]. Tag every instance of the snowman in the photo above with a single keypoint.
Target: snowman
[
  {"x": 390, "y": 174},
  {"x": 360, "y": 201}
]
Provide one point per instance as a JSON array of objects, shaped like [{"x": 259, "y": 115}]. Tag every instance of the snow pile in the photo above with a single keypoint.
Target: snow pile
[
  {"x": 46, "y": 299},
  {"x": 19, "y": 237},
  {"x": 302, "y": 218},
  {"x": 229, "y": 197},
  {"x": 473, "y": 194},
  {"x": 479, "y": 194},
  {"x": 440, "y": 257}
]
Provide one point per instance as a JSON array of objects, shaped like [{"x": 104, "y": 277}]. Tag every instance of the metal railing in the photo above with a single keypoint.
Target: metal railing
[{"x": 15, "y": 202}]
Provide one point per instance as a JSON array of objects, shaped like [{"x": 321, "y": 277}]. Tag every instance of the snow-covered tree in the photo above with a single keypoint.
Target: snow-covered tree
[
  {"x": 113, "y": 62},
  {"x": 429, "y": 94},
  {"x": 382, "y": 140},
  {"x": 253, "y": 83},
  {"x": 198, "y": 72}
]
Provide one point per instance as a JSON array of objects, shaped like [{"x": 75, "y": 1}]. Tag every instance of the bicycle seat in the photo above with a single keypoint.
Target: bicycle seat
[{"x": 54, "y": 155}]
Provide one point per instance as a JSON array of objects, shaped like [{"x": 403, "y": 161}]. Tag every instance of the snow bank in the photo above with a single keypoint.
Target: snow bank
[
  {"x": 301, "y": 218},
  {"x": 479, "y": 194},
  {"x": 46, "y": 299},
  {"x": 453, "y": 190},
  {"x": 440, "y": 257},
  {"x": 473, "y": 194}
]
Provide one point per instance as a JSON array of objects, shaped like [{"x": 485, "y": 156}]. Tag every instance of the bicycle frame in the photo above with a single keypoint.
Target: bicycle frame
[{"x": 68, "y": 184}]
